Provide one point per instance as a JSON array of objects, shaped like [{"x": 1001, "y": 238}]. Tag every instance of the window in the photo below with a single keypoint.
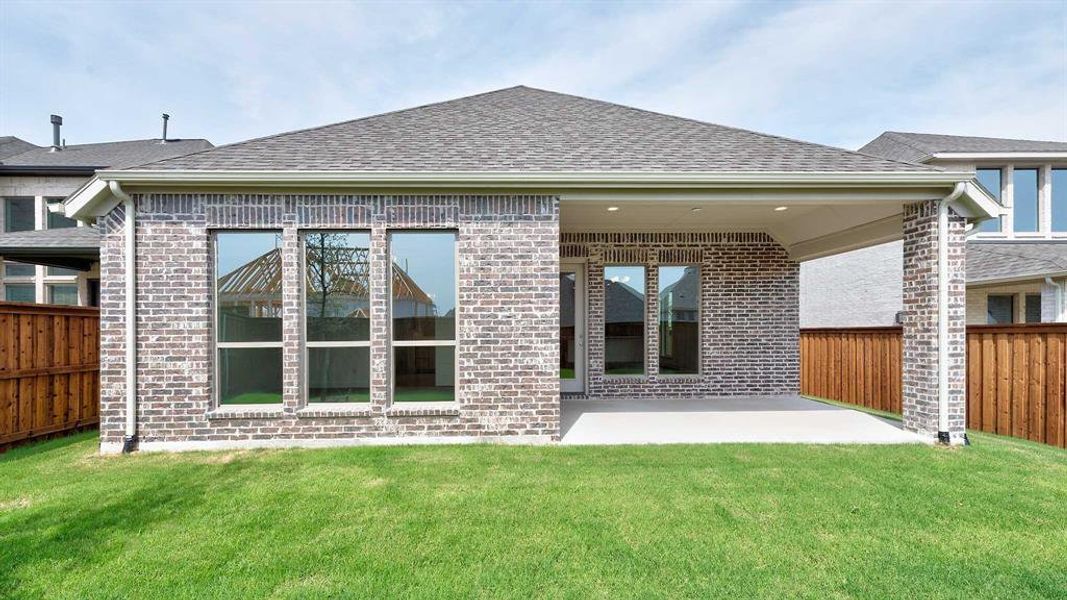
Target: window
[
  {"x": 1059, "y": 200},
  {"x": 337, "y": 316},
  {"x": 424, "y": 316},
  {"x": 62, "y": 272},
  {"x": 1025, "y": 187},
  {"x": 1033, "y": 308},
  {"x": 63, "y": 294},
  {"x": 624, "y": 320},
  {"x": 990, "y": 180},
  {"x": 20, "y": 292},
  {"x": 248, "y": 305},
  {"x": 1000, "y": 309},
  {"x": 679, "y": 320},
  {"x": 12, "y": 269},
  {"x": 18, "y": 215}
]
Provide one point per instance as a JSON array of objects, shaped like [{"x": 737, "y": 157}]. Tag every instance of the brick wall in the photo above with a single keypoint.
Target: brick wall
[
  {"x": 749, "y": 312},
  {"x": 507, "y": 331},
  {"x": 920, "y": 406}
]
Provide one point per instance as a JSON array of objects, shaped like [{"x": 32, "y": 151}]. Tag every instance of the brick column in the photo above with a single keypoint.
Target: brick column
[{"x": 920, "y": 294}]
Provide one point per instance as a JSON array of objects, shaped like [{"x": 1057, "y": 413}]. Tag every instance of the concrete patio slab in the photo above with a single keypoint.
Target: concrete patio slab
[{"x": 762, "y": 419}]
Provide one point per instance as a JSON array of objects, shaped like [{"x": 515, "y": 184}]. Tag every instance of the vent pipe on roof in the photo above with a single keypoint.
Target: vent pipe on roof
[
  {"x": 57, "y": 122},
  {"x": 166, "y": 118}
]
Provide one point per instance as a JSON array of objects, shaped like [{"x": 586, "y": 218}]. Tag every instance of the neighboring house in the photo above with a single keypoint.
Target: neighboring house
[
  {"x": 38, "y": 261},
  {"x": 547, "y": 230},
  {"x": 1016, "y": 264}
]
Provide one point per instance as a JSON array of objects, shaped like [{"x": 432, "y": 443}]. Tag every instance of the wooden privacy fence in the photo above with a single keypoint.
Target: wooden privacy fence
[
  {"x": 49, "y": 369},
  {"x": 1016, "y": 375}
]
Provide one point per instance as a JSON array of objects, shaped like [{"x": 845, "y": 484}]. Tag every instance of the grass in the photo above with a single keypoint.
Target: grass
[{"x": 729, "y": 521}]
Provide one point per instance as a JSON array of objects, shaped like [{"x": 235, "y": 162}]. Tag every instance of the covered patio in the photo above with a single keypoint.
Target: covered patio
[{"x": 788, "y": 419}]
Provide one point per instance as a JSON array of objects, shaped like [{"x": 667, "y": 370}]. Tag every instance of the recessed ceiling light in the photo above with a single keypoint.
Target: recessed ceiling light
[
  {"x": 781, "y": 208},
  {"x": 695, "y": 209},
  {"x": 613, "y": 208}
]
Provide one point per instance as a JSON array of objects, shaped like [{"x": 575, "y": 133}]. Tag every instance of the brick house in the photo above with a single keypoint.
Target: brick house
[{"x": 456, "y": 271}]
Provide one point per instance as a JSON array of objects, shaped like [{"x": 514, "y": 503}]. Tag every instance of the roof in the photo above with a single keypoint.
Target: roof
[
  {"x": 919, "y": 147},
  {"x": 11, "y": 145},
  {"x": 999, "y": 261},
  {"x": 529, "y": 130},
  {"x": 73, "y": 247},
  {"x": 67, "y": 238},
  {"x": 103, "y": 155}
]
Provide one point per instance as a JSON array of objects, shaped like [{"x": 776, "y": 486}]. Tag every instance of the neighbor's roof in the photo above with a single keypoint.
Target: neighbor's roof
[
  {"x": 11, "y": 145},
  {"x": 103, "y": 155},
  {"x": 919, "y": 147},
  {"x": 998, "y": 261},
  {"x": 531, "y": 130},
  {"x": 45, "y": 240}
]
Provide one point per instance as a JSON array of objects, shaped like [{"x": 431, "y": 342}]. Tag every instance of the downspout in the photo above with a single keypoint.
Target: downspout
[
  {"x": 942, "y": 312},
  {"x": 1059, "y": 296},
  {"x": 129, "y": 442}
]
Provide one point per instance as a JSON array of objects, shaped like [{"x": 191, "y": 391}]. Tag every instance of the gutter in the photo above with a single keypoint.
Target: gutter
[
  {"x": 943, "y": 436},
  {"x": 129, "y": 442}
]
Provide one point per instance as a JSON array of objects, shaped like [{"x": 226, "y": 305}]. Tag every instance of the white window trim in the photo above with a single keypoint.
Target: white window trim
[
  {"x": 216, "y": 344},
  {"x": 305, "y": 354},
  {"x": 391, "y": 343},
  {"x": 700, "y": 322}
]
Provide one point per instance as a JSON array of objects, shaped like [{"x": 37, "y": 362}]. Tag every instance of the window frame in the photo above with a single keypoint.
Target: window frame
[
  {"x": 644, "y": 329},
  {"x": 391, "y": 343},
  {"x": 305, "y": 353},
  {"x": 216, "y": 345},
  {"x": 699, "y": 321}
]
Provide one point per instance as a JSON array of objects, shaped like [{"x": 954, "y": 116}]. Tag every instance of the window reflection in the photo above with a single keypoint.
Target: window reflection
[
  {"x": 624, "y": 320},
  {"x": 424, "y": 285},
  {"x": 679, "y": 316},
  {"x": 249, "y": 287}
]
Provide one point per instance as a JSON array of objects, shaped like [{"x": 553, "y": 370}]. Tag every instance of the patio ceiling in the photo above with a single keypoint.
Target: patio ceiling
[{"x": 809, "y": 224}]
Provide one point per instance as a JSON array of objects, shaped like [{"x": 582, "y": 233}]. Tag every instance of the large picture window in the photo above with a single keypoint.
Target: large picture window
[
  {"x": 679, "y": 320},
  {"x": 337, "y": 315},
  {"x": 624, "y": 320},
  {"x": 423, "y": 315},
  {"x": 248, "y": 326}
]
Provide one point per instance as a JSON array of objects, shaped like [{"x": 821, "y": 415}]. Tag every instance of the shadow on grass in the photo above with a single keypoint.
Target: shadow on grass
[{"x": 43, "y": 448}]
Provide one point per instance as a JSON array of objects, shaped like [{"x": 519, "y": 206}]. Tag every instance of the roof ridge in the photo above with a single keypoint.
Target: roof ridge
[
  {"x": 317, "y": 127},
  {"x": 728, "y": 127}
]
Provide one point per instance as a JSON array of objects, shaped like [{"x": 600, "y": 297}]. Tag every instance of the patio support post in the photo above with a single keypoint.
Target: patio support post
[{"x": 934, "y": 400}]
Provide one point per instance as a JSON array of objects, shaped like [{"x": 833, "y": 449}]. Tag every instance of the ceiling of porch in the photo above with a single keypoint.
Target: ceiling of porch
[{"x": 807, "y": 227}]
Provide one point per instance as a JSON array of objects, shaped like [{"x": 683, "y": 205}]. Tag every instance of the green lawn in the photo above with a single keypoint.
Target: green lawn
[{"x": 737, "y": 521}]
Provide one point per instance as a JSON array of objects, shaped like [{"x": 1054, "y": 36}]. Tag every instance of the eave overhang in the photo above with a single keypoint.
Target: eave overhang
[{"x": 94, "y": 197}]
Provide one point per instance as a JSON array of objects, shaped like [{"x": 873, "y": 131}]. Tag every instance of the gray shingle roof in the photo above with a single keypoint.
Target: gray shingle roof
[
  {"x": 11, "y": 145},
  {"x": 917, "y": 147},
  {"x": 526, "y": 129},
  {"x": 993, "y": 261},
  {"x": 68, "y": 238},
  {"x": 107, "y": 154}
]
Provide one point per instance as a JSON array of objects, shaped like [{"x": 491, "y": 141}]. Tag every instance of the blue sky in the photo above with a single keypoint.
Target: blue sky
[{"x": 832, "y": 72}]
